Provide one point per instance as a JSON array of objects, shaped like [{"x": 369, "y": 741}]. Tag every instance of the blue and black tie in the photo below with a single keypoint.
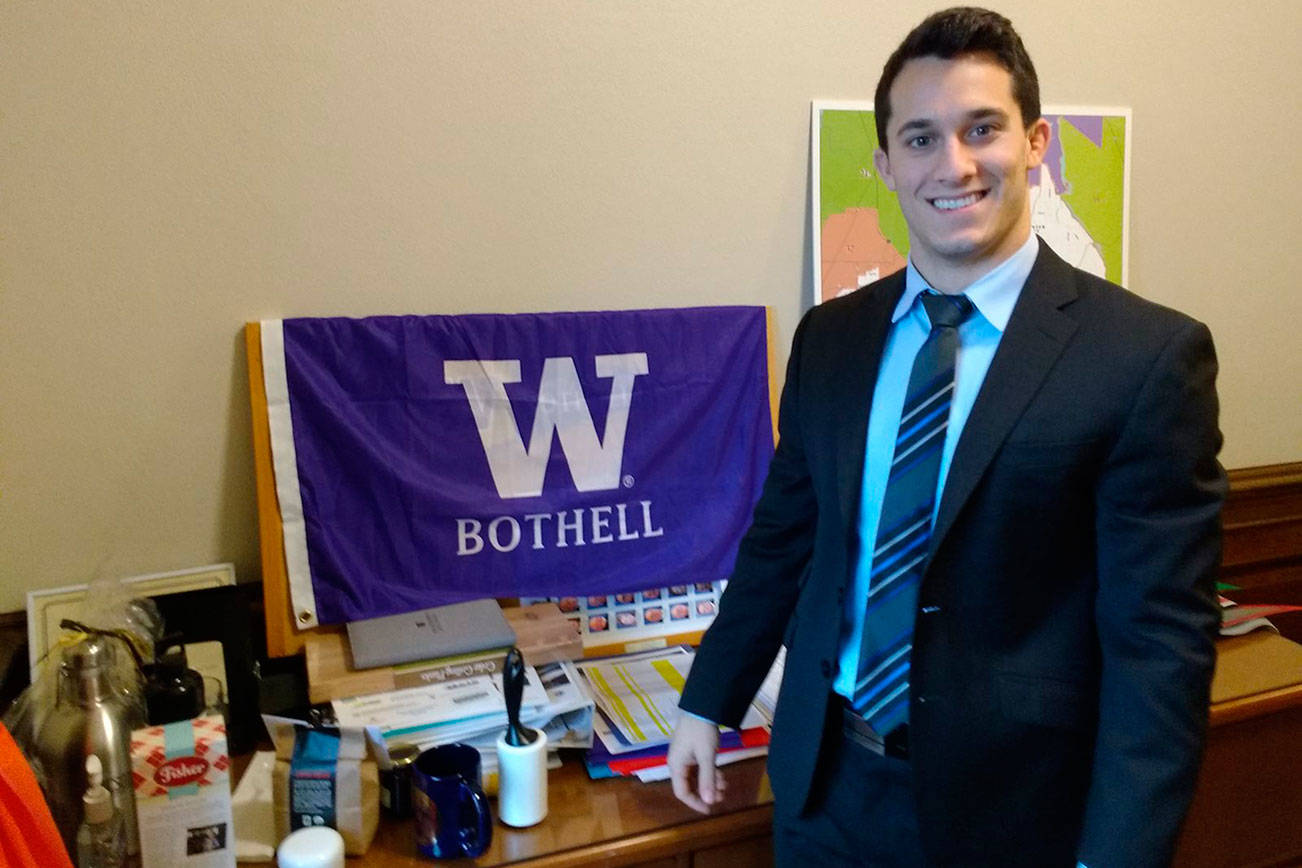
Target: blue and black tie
[{"x": 904, "y": 530}]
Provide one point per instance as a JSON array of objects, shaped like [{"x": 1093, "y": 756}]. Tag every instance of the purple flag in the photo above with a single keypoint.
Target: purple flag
[{"x": 430, "y": 459}]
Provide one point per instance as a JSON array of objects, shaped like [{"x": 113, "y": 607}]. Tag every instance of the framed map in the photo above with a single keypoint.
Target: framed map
[{"x": 1080, "y": 202}]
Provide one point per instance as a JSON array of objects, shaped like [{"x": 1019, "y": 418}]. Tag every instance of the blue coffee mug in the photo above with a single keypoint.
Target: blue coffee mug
[{"x": 447, "y": 795}]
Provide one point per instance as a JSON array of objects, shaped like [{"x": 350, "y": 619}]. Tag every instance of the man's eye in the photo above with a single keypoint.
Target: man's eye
[
  {"x": 919, "y": 141},
  {"x": 980, "y": 131}
]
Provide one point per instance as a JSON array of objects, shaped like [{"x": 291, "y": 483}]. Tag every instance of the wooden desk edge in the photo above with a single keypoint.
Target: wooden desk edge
[
  {"x": 1255, "y": 705},
  {"x": 693, "y": 835}
]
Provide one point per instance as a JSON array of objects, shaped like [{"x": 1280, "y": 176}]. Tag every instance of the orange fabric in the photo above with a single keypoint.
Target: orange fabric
[{"x": 28, "y": 836}]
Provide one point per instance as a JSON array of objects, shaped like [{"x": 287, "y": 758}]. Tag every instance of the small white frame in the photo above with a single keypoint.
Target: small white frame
[{"x": 48, "y": 606}]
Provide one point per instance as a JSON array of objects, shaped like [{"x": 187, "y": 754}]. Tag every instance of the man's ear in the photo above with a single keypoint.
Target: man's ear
[
  {"x": 1038, "y": 136},
  {"x": 882, "y": 162}
]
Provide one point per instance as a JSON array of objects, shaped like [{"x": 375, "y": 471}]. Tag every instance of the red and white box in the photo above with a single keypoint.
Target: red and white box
[{"x": 181, "y": 773}]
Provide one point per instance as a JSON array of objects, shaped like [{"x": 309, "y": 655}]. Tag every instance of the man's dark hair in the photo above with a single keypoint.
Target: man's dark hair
[{"x": 957, "y": 32}]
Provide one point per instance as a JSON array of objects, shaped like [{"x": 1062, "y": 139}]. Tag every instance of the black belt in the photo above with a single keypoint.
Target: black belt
[{"x": 857, "y": 730}]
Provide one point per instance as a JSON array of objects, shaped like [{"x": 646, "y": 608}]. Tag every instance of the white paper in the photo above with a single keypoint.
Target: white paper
[{"x": 440, "y": 707}]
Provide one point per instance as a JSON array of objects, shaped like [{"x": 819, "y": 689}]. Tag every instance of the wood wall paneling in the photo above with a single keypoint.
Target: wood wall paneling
[{"x": 1263, "y": 540}]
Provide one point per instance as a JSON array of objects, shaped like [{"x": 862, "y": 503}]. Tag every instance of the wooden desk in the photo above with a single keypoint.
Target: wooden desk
[
  {"x": 1247, "y": 810},
  {"x": 618, "y": 822}
]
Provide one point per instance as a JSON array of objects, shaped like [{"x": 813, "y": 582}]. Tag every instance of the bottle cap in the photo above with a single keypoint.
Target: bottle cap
[{"x": 315, "y": 847}]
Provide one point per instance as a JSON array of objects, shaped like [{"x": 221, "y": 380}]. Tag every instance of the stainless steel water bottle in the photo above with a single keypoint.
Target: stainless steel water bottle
[{"x": 93, "y": 714}]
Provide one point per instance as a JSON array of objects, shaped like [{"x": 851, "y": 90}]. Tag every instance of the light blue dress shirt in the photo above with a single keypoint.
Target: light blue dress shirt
[{"x": 993, "y": 295}]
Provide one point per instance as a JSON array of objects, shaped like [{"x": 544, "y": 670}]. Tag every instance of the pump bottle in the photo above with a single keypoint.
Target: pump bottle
[{"x": 101, "y": 839}]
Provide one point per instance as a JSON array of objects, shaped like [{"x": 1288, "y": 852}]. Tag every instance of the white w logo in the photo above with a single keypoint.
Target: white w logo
[{"x": 517, "y": 471}]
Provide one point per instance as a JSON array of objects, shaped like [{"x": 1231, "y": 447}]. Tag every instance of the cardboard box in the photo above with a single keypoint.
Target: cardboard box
[{"x": 181, "y": 774}]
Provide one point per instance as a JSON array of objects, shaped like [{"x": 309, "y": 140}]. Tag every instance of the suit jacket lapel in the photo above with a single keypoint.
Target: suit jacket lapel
[
  {"x": 865, "y": 328},
  {"x": 1036, "y": 334}
]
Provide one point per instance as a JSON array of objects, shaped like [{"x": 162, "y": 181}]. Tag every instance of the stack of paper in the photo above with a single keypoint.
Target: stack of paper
[
  {"x": 636, "y": 699},
  {"x": 1239, "y": 619},
  {"x": 473, "y": 711}
]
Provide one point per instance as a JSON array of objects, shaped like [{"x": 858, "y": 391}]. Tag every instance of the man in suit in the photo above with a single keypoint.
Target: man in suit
[{"x": 990, "y": 529}]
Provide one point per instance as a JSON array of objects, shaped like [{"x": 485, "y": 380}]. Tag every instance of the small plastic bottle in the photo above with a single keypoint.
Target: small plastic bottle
[{"x": 101, "y": 839}]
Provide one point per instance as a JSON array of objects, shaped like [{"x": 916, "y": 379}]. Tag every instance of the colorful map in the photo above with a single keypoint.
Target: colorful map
[{"x": 1079, "y": 197}]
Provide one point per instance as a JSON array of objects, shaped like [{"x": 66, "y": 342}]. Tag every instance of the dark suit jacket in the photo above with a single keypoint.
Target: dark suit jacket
[{"x": 1064, "y": 641}]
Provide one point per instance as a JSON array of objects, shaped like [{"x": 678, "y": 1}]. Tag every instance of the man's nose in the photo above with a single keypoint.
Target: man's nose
[{"x": 955, "y": 162}]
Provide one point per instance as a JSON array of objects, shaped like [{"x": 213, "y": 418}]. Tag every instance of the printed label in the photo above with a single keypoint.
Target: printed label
[
  {"x": 312, "y": 778},
  {"x": 181, "y": 771},
  {"x": 311, "y": 799}
]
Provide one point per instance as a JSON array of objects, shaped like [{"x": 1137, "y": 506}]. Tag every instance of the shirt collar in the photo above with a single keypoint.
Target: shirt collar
[{"x": 993, "y": 294}]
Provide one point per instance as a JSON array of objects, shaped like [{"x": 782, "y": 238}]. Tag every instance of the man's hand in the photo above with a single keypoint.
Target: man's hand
[{"x": 691, "y": 762}]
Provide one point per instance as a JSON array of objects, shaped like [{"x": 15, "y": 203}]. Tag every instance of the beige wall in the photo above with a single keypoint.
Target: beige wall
[{"x": 172, "y": 169}]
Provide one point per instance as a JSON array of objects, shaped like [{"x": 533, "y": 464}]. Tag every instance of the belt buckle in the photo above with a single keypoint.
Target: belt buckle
[
  {"x": 857, "y": 730},
  {"x": 895, "y": 744}
]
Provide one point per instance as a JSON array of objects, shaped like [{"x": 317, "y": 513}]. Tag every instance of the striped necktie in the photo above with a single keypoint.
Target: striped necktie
[{"x": 904, "y": 530}]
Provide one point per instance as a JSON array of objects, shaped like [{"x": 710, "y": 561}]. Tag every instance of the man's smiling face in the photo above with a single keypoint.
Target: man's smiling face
[{"x": 959, "y": 152}]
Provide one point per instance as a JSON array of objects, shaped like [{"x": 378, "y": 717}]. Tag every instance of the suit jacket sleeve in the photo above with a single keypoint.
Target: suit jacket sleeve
[
  {"x": 738, "y": 649},
  {"x": 1158, "y": 545}
]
